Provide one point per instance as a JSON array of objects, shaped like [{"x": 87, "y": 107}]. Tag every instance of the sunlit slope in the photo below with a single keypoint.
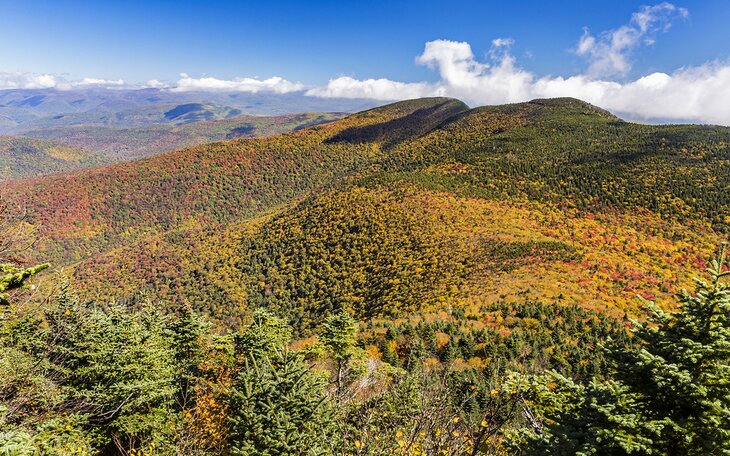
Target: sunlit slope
[
  {"x": 384, "y": 251},
  {"x": 84, "y": 213},
  {"x": 569, "y": 153},
  {"x": 420, "y": 206}
]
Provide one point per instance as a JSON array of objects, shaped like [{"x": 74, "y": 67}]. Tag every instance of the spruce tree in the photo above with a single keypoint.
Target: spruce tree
[
  {"x": 340, "y": 338},
  {"x": 278, "y": 406},
  {"x": 670, "y": 395},
  {"x": 186, "y": 332}
]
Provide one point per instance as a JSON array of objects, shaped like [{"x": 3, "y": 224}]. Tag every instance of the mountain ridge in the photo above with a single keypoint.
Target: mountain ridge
[
  {"x": 507, "y": 195},
  {"x": 125, "y": 143},
  {"x": 22, "y": 110}
]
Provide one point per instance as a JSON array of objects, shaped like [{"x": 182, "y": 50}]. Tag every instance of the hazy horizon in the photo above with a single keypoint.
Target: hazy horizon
[{"x": 657, "y": 62}]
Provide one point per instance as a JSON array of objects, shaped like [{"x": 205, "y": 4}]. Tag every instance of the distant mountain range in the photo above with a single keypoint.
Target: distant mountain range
[
  {"x": 26, "y": 110},
  {"x": 125, "y": 143},
  {"x": 420, "y": 206},
  {"x": 69, "y": 148},
  {"x": 104, "y": 126}
]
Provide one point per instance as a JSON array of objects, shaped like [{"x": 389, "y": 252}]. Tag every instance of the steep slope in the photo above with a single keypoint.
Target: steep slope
[
  {"x": 119, "y": 144},
  {"x": 421, "y": 206},
  {"x": 84, "y": 213},
  {"x": 24, "y": 157},
  {"x": 383, "y": 251}
]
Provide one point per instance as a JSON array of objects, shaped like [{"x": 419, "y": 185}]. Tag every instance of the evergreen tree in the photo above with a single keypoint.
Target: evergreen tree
[
  {"x": 186, "y": 332},
  {"x": 102, "y": 379},
  {"x": 278, "y": 406},
  {"x": 669, "y": 396},
  {"x": 340, "y": 338},
  {"x": 117, "y": 369}
]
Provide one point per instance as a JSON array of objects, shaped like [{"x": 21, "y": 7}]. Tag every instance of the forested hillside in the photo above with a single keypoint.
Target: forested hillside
[
  {"x": 416, "y": 279},
  {"x": 408, "y": 207},
  {"x": 84, "y": 378},
  {"x": 24, "y": 157}
]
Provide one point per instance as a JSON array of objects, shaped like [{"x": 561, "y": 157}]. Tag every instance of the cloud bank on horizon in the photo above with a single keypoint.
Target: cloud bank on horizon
[
  {"x": 22, "y": 80},
  {"x": 694, "y": 93}
]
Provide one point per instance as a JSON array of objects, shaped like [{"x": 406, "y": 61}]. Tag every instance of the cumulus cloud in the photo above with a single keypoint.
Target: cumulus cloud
[
  {"x": 186, "y": 83},
  {"x": 376, "y": 89},
  {"x": 252, "y": 85},
  {"x": 155, "y": 84},
  {"x": 99, "y": 82},
  {"x": 89, "y": 83},
  {"x": 21, "y": 80},
  {"x": 699, "y": 93},
  {"x": 609, "y": 54}
]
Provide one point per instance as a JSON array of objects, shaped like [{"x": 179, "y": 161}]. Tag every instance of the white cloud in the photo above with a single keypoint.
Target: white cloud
[
  {"x": 609, "y": 55},
  {"x": 90, "y": 82},
  {"x": 461, "y": 76},
  {"x": 252, "y": 85},
  {"x": 698, "y": 94},
  {"x": 99, "y": 82},
  {"x": 24, "y": 80},
  {"x": 376, "y": 89},
  {"x": 155, "y": 84},
  {"x": 502, "y": 42},
  {"x": 21, "y": 80}
]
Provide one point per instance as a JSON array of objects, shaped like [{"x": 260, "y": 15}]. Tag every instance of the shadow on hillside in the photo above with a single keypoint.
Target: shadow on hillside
[{"x": 413, "y": 125}]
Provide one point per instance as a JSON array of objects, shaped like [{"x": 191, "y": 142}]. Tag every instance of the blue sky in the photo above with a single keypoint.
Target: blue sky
[
  {"x": 645, "y": 59},
  {"x": 312, "y": 41}
]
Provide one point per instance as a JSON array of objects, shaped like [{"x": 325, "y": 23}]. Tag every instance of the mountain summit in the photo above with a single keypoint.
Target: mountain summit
[{"x": 411, "y": 206}]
